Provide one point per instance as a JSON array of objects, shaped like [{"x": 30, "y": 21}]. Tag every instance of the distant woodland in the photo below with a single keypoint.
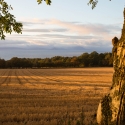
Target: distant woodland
[{"x": 92, "y": 59}]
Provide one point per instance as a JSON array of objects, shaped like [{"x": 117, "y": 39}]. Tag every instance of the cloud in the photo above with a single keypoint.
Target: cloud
[
  {"x": 12, "y": 43},
  {"x": 56, "y": 29},
  {"x": 89, "y": 28},
  {"x": 49, "y": 37},
  {"x": 45, "y": 30},
  {"x": 76, "y": 27}
]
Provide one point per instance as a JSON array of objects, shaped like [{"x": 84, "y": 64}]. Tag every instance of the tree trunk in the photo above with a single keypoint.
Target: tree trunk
[{"x": 111, "y": 110}]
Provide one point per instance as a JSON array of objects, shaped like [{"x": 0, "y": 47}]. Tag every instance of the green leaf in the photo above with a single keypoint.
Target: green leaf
[
  {"x": 48, "y": 2},
  {"x": 8, "y": 24},
  {"x": 39, "y": 1}
]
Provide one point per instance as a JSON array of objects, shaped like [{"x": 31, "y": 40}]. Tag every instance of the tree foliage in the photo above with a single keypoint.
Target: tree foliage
[
  {"x": 8, "y": 24},
  {"x": 93, "y": 59},
  {"x": 93, "y": 3},
  {"x": 48, "y": 2}
]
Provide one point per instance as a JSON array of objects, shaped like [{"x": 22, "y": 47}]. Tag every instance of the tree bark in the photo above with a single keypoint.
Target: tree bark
[{"x": 111, "y": 110}]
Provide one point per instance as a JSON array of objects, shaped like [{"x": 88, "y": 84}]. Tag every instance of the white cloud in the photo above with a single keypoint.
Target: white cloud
[{"x": 55, "y": 34}]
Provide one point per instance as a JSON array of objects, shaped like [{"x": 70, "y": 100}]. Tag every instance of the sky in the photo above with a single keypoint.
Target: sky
[{"x": 66, "y": 28}]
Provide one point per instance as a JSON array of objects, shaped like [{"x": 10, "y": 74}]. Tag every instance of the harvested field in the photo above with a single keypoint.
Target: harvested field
[{"x": 52, "y": 96}]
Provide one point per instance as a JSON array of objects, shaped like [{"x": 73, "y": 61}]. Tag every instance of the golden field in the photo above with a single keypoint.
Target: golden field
[{"x": 52, "y": 96}]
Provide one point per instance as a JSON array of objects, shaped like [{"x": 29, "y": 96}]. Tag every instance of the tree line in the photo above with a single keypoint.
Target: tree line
[{"x": 92, "y": 59}]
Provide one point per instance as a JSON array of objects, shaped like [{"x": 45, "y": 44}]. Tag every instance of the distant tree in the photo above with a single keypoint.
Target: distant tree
[
  {"x": 67, "y": 62},
  {"x": 108, "y": 59},
  {"x": 25, "y": 63},
  {"x": 74, "y": 62},
  {"x": 101, "y": 59},
  {"x": 2, "y": 63},
  {"x": 84, "y": 59},
  {"x": 15, "y": 62},
  {"x": 47, "y": 62},
  {"x": 93, "y": 59}
]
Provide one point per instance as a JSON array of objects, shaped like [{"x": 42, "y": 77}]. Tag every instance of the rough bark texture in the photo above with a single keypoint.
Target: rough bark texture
[{"x": 111, "y": 110}]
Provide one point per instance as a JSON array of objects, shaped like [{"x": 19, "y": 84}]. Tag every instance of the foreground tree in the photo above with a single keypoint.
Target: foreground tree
[{"x": 111, "y": 110}]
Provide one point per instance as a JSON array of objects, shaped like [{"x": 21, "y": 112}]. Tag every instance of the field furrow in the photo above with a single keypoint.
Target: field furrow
[
  {"x": 52, "y": 96},
  {"x": 6, "y": 78}
]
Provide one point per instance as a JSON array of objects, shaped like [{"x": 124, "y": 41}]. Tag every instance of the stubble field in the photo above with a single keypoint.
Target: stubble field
[{"x": 52, "y": 96}]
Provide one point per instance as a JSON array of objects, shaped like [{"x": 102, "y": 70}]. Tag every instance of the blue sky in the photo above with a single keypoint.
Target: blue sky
[{"x": 66, "y": 28}]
